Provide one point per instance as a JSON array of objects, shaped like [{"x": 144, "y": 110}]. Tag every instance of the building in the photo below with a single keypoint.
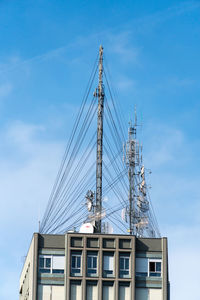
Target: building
[
  {"x": 91, "y": 265},
  {"x": 78, "y": 266}
]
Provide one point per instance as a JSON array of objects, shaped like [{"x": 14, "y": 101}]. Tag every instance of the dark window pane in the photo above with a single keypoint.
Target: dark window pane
[
  {"x": 89, "y": 262},
  {"x": 73, "y": 261},
  {"x": 94, "y": 262},
  {"x": 158, "y": 266},
  {"x": 78, "y": 262},
  {"x": 154, "y": 274},
  {"x": 58, "y": 271},
  {"x": 121, "y": 263},
  {"x": 75, "y": 270},
  {"x": 152, "y": 266},
  {"x": 41, "y": 262},
  {"x": 44, "y": 270},
  {"x": 92, "y": 271},
  {"x": 124, "y": 272},
  {"x": 142, "y": 274},
  {"x": 48, "y": 262},
  {"x": 127, "y": 263},
  {"x": 109, "y": 272}
]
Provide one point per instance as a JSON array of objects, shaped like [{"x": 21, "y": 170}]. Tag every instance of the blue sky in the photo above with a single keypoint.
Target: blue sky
[{"x": 47, "y": 52}]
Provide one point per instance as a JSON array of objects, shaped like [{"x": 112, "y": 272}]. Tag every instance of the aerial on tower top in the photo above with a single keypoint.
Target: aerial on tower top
[{"x": 101, "y": 186}]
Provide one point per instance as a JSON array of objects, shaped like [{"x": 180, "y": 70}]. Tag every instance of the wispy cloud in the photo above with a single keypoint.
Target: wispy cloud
[
  {"x": 121, "y": 45},
  {"x": 28, "y": 168},
  {"x": 21, "y": 179},
  {"x": 126, "y": 84},
  {"x": 15, "y": 62},
  {"x": 148, "y": 22}
]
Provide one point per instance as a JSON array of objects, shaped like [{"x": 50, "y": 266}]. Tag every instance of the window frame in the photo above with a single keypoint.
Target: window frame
[
  {"x": 45, "y": 257},
  {"x": 76, "y": 254},
  {"x": 52, "y": 271},
  {"x": 156, "y": 273},
  {"x": 92, "y": 255},
  {"x": 124, "y": 272},
  {"x": 107, "y": 272}
]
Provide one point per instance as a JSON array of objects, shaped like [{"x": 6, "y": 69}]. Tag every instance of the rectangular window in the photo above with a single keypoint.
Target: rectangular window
[
  {"x": 124, "y": 291},
  {"x": 75, "y": 290},
  {"x": 76, "y": 263},
  {"x": 45, "y": 264},
  {"x": 58, "y": 263},
  {"x": 155, "y": 267},
  {"x": 142, "y": 267},
  {"x": 92, "y": 290},
  {"x": 108, "y": 290},
  {"x": 108, "y": 264},
  {"x": 92, "y": 263},
  {"x": 124, "y": 264},
  {"x": 51, "y": 264}
]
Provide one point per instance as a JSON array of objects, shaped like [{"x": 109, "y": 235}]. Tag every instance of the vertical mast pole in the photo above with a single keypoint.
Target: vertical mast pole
[
  {"x": 131, "y": 171},
  {"x": 132, "y": 160},
  {"x": 100, "y": 90}
]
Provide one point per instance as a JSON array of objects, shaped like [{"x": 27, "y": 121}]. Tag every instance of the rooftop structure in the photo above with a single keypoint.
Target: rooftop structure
[
  {"x": 78, "y": 266},
  {"x": 93, "y": 263}
]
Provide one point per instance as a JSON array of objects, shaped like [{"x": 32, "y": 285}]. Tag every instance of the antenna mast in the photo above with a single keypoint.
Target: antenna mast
[
  {"x": 100, "y": 95},
  {"x": 132, "y": 160},
  {"x": 131, "y": 176}
]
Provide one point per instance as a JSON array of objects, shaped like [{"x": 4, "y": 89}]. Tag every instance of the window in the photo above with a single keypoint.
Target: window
[
  {"x": 124, "y": 264},
  {"x": 51, "y": 264},
  {"x": 92, "y": 263},
  {"x": 142, "y": 267},
  {"x": 92, "y": 290},
  {"x": 148, "y": 267},
  {"x": 108, "y": 264},
  {"x": 58, "y": 264},
  {"x": 155, "y": 268},
  {"x": 108, "y": 290},
  {"x": 45, "y": 264},
  {"x": 124, "y": 291},
  {"x": 76, "y": 263},
  {"x": 75, "y": 290}
]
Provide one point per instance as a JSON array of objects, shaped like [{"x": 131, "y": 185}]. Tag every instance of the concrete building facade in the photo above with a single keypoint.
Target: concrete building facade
[{"x": 78, "y": 266}]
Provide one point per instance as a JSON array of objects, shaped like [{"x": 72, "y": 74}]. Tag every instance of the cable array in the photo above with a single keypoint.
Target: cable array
[{"x": 66, "y": 209}]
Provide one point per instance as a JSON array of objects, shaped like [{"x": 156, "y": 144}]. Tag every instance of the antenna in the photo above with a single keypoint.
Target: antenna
[
  {"x": 137, "y": 212},
  {"x": 100, "y": 95},
  {"x": 132, "y": 161}
]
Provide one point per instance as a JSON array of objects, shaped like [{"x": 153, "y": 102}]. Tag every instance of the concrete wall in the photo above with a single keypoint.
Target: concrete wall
[
  {"x": 56, "y": 241},
  {"x": 35, "y": 286},
  {"x": 50, "y": 292},
  {"x": 29, "y": 272}
]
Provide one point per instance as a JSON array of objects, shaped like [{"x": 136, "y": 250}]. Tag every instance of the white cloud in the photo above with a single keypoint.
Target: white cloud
[{"x": 28, "y": 169}]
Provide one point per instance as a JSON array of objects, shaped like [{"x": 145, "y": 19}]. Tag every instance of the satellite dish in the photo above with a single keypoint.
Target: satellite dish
[{"x": 86, "y": 228}]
